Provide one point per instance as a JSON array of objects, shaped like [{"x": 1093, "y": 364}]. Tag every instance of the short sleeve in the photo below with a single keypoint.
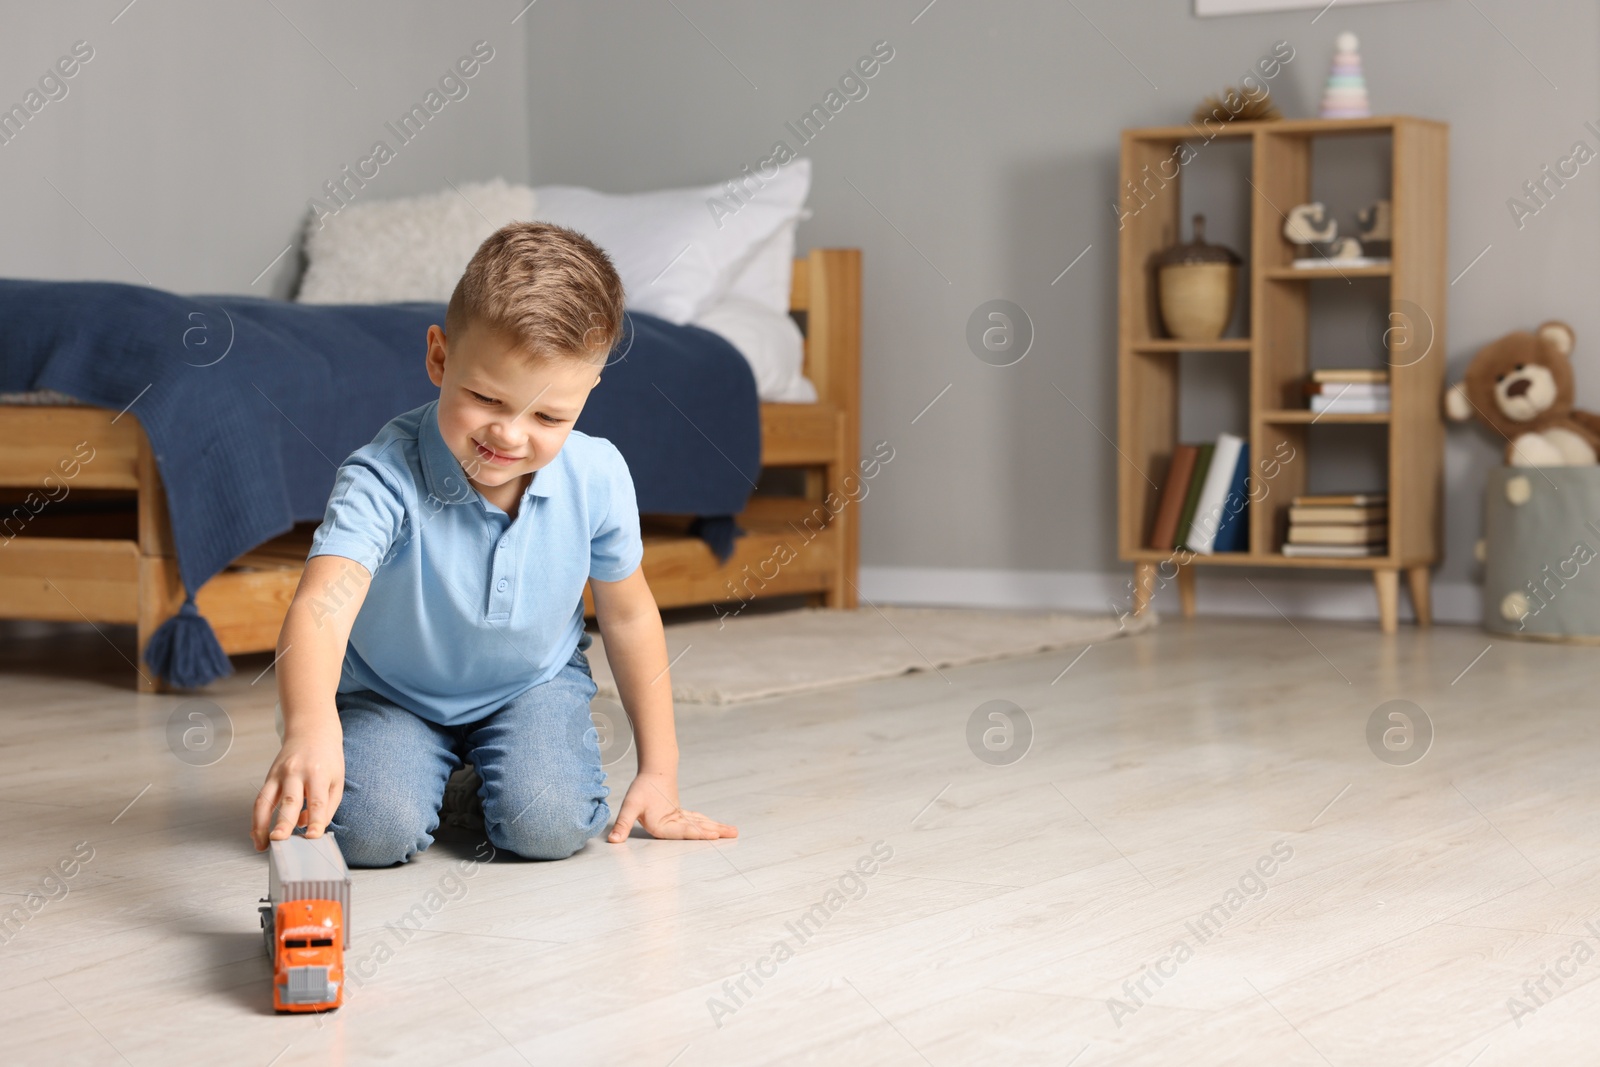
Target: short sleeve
[
  {"x": 615, "y": 547},
  {"x": 364, "y": 520}
]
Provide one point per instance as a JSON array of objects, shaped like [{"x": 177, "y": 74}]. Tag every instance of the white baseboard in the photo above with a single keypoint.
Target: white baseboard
[{"x": 1302, "y": 596}]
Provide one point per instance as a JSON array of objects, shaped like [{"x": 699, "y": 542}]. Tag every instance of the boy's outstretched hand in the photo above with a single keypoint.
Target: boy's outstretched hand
[
  {"x": 304, "y": 787},
  {"x": 652, "y": 802}
]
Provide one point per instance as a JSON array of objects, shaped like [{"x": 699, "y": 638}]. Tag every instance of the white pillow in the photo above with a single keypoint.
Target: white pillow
[
  {"x": 770, "y": 341},
  {"x": 769, "y": 273},
  {"x": 679, "y": 250},
  {"x": 408, "y": 248}
]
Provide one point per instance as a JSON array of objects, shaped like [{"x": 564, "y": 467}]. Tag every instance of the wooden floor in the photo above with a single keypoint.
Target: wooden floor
[{"x": 1019, "y": 899}]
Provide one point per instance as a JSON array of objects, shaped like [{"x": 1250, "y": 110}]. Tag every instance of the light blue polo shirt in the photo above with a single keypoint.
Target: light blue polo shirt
[{"x": 467, "y": 608}]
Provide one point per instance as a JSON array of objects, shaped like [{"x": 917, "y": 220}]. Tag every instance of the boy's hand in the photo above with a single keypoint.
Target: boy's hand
[
  {"x": 652, "y": 802},
  {"x": 305, "y": 784}
]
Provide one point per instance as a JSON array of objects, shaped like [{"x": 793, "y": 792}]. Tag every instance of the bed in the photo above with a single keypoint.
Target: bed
[{"x": 111, "y": 557}]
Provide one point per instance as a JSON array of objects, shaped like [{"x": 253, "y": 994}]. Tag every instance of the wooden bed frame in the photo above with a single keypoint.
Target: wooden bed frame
[{"x": 118, "y": 564}]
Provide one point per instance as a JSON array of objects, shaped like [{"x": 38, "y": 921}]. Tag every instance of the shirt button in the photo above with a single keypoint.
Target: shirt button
[
  {"x": 502, "y": 585},
  {"x": 504, "y": 541}
]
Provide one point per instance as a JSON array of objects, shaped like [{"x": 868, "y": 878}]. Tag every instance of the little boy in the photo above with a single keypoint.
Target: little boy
[{"x": 440, "y": 615}]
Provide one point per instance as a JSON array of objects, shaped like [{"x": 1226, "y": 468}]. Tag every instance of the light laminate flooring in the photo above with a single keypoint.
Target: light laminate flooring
[{"x": 1021, "y": 910}]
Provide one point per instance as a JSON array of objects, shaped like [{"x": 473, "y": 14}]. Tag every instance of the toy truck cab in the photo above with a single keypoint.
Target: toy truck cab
[
  {"x": 308, "y": 961},
  {"x": 305, "y": 922}
]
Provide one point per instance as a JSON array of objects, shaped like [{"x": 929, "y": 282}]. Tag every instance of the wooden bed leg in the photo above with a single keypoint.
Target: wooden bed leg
[
  {"x": 160, "y": 597},
  {"x": 833, "y": 363},
  {"x": 1387, "y": 582},
  {"x": 1144, "y": 586},
  {"x": 842, "y": 594},
  {"x": 160, "y": 590},
  {"x": 1186, "y": 590},
  {"x": 1421, "y": 594}
]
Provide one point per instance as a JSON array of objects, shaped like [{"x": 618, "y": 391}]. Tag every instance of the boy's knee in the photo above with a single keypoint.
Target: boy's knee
[
  {"x": 379, "y": 846},
  {"x": 550, "y": 833},
  {"x": 379, "y": 835},
  {"x": 537, "y": 844}
]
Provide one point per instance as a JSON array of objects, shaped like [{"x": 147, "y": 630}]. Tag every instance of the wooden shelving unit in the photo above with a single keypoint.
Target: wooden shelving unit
[{"x": 1278, "y": 348}]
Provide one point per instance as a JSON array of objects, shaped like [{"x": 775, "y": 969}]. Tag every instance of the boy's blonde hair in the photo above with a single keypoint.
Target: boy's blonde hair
[{"x": 550, "y": 289}]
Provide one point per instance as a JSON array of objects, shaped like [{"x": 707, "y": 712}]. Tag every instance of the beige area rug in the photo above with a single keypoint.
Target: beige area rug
[{"x": 724, "y": 661}]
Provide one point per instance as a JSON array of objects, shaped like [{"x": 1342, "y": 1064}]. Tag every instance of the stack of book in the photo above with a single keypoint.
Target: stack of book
[
  {"x": 1349, "y": 392},
  {"x": 1350, "y": 525},
  {"x": 1204, "y": 506}
]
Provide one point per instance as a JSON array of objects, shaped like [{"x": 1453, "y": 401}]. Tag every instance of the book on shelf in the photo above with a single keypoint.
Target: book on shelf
[
  {"x": 1209, "y": 511},
  {"x": 1233, "y": 532},
  {"x": 1333, "y": 514},
  {"x": 1197, "y": 477},
  {"x": 1359, "y": 375},
  {"x": 1352, "y": 389},
  {"x": 1341, "y": 500},
  {"x": 1329, "y": 263},
  {"x": 1204, "y": 507},
  {"x": 1338, "y": 524},
  {"x": 1338, "y": 535},
  {"x": 1164, "y": 531},
  {"x": 1337, "y": 551},
  {"x": 1350, "y": 405}
]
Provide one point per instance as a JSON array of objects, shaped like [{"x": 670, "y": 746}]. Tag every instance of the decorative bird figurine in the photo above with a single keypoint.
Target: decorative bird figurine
[{"x": 1309, "y": 224}]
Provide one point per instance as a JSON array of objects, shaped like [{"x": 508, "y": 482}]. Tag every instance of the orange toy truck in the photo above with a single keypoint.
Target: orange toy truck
[{"x": 305, "y": 922}]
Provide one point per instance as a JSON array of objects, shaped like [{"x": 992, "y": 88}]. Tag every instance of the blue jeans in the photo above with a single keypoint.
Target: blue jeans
[{"x": 543, "y": 792}]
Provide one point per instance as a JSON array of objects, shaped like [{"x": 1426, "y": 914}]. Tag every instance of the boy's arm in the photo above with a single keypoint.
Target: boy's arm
[
  {"x": 309, "y": 770},
  {"x": 636, "y": 648}
]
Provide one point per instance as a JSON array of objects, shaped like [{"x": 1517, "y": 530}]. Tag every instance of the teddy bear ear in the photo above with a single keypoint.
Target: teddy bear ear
[
  {"x": 1557, "y": 335},
  {"x": 1456, "y": 404}
]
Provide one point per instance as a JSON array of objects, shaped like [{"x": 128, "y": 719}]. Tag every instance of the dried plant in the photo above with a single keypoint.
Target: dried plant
[{"x": 1233, "y": 105}]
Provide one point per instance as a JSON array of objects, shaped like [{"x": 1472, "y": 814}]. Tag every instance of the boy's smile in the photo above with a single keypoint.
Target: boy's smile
[
  {"x": 489, "y": 455},
  {"x": 503, "y": 413}
]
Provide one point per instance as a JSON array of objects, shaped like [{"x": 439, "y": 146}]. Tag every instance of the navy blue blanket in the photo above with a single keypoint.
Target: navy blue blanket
[{"x": 251, "y": 404}]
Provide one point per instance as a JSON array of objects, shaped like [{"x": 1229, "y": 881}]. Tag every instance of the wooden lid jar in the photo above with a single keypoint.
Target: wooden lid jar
[{"x": 1198, "y": 285}]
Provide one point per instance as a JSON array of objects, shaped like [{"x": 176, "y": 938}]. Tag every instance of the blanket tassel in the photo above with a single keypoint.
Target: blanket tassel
[
  {"x": 184, "y": 650},
  {"x": 718, "y": 532}
]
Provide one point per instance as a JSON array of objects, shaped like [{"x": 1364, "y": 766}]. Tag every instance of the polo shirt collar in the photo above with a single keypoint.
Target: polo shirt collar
[
  {"x": 446, "y": 481},
  {"x": 549, "y": 480}
]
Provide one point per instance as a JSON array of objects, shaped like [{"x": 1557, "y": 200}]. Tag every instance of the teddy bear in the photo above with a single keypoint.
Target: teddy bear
[{"x": 1521, "y": 386}]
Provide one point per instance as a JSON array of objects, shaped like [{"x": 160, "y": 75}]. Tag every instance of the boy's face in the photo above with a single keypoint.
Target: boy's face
[{"x": 502, "y": 414}]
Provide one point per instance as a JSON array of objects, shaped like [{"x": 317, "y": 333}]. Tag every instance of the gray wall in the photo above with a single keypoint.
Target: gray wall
[
  {"x": 990, "y": 143},
  {"x": 194, "y": 138}
]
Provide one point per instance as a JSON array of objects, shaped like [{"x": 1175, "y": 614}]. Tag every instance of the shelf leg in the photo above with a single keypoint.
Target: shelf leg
[
  {"x": 1421, "y": 595},
  {"x": 1144, "y": 586},
  {"x": 1186, "y": 590},
  {"x": 1387, "y": 581}
]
